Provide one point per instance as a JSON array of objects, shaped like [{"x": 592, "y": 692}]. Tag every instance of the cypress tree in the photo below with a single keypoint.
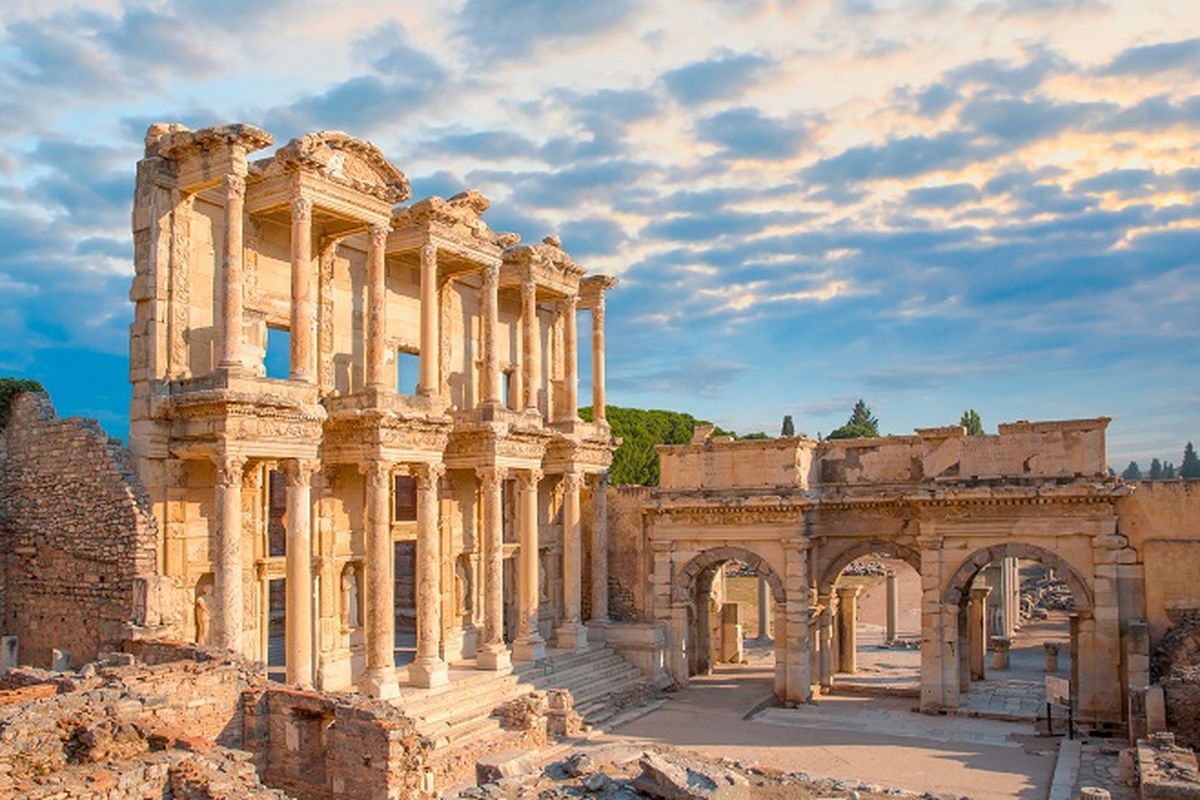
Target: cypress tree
[
  {"x": 1190, "y": 467},
  {"x": 1133, "y": 472},
  {"x": 789, "y": 427}
]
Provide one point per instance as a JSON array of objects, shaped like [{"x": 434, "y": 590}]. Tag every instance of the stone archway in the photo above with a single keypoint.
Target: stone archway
[
  {"x": 684, "y": 585},
  {"x": 855, "y": 551},
  {"x": 965, "y": 624},
  {"x": 960, "y": 581}
]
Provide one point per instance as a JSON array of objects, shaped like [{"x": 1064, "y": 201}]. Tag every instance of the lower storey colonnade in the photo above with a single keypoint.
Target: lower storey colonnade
[{"x": 375, "y": 575}]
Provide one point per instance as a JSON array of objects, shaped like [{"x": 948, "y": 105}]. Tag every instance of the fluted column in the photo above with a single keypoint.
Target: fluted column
[
  {"x": 532, "y": 344},
  {"x": 430, "y": 339},
  {"x": 428, "y": 669},
  {"x": 376, "y": 306},
  {"x": 303, "y": 322},
  {"x": 489, "y": 303},
  {"x": 571, "y": 635},
  {"x": 598, "y": 410},
  {"x": 600, "y": 549},
  {"x": 379, "y": 680},
  {"x": 530, "y": 646},
  {"x": 298, "y": 632},
  {"x": 492, "y": 652},
  {"x": 571, "y": 348},
  {"x": 227, "y": 561},
  {"x": 231, "y": 274}
]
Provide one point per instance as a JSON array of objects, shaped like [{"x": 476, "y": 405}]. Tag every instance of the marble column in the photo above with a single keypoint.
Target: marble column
[
  {"x": 531, "y": 340},
  {"x": 227, "y": 560},
  {"x": 977, "y": 631},
  {"x": 530, "y": 646},
  {"x": 848, "y": 628},
  {"x": 798, "y": 687},
  {"x": 430, "y": 335},
  {"x": 489, "y": 304},
  {"x": 571, "y": 352},
  {"x": 303, "y": 330},
  {"x": 492, "y": 653},
  {"x": 826, "y": 633},
  {"x": 376, "y": 307},
  {"x": 571, "y": 634},
  {"x": 598, "y": 411},
  {"x": 298, "y": 632},
  {"x": 893, "y": 608},
  {"x": 428, "y": 669},
  {"x": 764, "y": 599},
  {"x": 600, "y": 549},
  {"x": 379, "y": 679},
  {"x": 231, "y": 274}
]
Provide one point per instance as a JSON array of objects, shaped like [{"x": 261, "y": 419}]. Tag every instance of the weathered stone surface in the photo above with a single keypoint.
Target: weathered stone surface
[{"x": 676, "y": 779}]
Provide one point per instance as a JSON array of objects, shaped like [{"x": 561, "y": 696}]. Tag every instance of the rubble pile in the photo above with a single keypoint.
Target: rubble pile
[
  {"x": 629, "y": 772},
  {"x": 864, "y": 567},
  {"x": 1042, "y": 594}
]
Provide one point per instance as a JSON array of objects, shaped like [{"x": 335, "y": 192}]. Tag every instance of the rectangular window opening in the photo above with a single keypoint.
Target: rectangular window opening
[
  {"x": 278, "y": 360},
  {"x": 408, "y": 369},
  {"x": 404, "y": 506},
  {"x": 276, "y": 507}
]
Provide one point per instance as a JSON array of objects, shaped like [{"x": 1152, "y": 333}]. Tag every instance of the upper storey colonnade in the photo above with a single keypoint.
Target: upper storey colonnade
[{"x": 328, "y": 191}]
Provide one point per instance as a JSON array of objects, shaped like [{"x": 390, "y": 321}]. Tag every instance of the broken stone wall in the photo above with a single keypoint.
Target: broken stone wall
[
  {"x": 77, "y": 537},
  {"x": 315, "y": 745},
  {"x": 627, "y": 568},
  {"x": 120, "y": 729}
]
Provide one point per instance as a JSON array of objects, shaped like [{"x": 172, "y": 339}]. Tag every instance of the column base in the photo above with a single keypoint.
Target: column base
[
  {"x": 428, "y": 673},
  {"x": 529, "y": 648},
  {"x": 598, "y": 630},
  {"x": 493, "y": 657},
  {"x": 571, "y": 636},
  {"x": 380, "y": 682}
]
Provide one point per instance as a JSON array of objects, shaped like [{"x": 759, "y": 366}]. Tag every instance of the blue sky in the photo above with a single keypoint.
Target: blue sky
[{"x": 932, "y": 205}]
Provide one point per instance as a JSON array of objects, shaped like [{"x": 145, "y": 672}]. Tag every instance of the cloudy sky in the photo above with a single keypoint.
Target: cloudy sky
[{"x": 930, "y": 204}]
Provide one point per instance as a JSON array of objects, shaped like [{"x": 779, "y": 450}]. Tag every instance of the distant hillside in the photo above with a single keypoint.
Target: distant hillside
[{"x": 635, "y": 461}]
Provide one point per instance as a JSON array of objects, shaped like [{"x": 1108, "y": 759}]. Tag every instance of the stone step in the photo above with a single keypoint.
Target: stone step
[{"x": 463, "y": 730}]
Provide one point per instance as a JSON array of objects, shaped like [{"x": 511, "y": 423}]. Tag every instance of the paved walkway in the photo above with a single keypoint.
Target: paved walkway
[{"x": 871, "y": 739}]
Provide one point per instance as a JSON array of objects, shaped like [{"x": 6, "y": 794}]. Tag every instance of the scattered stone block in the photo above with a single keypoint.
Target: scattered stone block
[{"x": 507, "y": 764}]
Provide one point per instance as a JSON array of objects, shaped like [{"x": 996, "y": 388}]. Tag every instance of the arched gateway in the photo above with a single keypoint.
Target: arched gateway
[{"x": 947, "y": 504}]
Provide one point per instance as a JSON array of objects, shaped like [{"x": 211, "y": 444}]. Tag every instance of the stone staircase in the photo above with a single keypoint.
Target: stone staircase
[{"x": 458, "y": 719}]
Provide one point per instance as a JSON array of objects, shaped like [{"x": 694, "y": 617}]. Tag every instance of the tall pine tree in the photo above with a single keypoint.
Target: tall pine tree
[
  {"x": 789, "y": 427},
  {"x": 1156, "y": 470},
  {"x": 1133, "y": 472},
  {"x": 972, "y": 422},
  {"x": 1190, "y": 467},
  {"x": 861, "y": 425}
]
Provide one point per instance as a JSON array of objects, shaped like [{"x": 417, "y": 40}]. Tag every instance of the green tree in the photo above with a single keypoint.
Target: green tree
[
  {"x": 971, "y": 421},
  {"x": 1156, "y": 470},
  {"x": 861, "y": 425},
  {"x": 789, "y": 427},
  {"x": 9, "y": 389},
  {"x": 1133, "y": 472},
  {"x": 1169, "y": 471},
  {"x": 1190, "y": 466},
  {"x": 636, "y": 461}
]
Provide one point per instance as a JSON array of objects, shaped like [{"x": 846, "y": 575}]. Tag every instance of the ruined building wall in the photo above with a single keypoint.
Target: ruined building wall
[
  {"x": 628, "y": 559},
  {"x": 78, "y": 539}
]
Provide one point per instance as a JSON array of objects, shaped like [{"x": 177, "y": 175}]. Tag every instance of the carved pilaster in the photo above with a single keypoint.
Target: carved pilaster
[
  {"x": 178, "y": 365},
  {"x": 325, "y": 375}
]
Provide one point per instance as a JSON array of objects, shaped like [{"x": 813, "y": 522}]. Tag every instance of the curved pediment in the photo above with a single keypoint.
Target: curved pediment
[{"x": 342, "y": 158}]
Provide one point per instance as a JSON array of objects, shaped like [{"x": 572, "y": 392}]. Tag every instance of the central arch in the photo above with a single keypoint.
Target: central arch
[{"x": 859, "y": 550}]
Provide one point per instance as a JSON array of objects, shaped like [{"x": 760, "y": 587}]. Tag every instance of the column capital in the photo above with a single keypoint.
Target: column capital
[
  {"x": 229, "y": 469},
  {"x": 299, "y": 471},
  {"x": 529, "y": 477},
  {"x": 601, "y": 479},
  {"x": 378, "y": 233},
  {"x": 301, "y": 209},
  {"x": 235, "y": 186},
  {"x": 428, "y": 474},
  {"x": 429, "y": 252},
  {"x": 850, "y": 592},
  {"x": 491, "y": 275},
  {"x": 377, "y": 472},
  {"x": 491, "y": 477},
  {"x": 573, "y": 479},
  {"x": 598, "y": 312},
  {"x": 528, "y": 286},
  {"x": 570, "y": 303},
  {"x": 980, "y": 592}
]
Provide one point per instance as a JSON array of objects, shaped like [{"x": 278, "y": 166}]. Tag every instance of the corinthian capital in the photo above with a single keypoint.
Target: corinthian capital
[
  {"x": 301, "y": 209},
  {"x": 235, "y": 186},
  {"x": 229, "y": 470},
  {"x": 378, "y": 235},
  {"x": 428, "y": 475},
  {"x": 379, "y": 474},
  {"x": 299, "y": 471},
  {"x": 490, "y": 477},
  {"x": 491, "y": 276}
]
